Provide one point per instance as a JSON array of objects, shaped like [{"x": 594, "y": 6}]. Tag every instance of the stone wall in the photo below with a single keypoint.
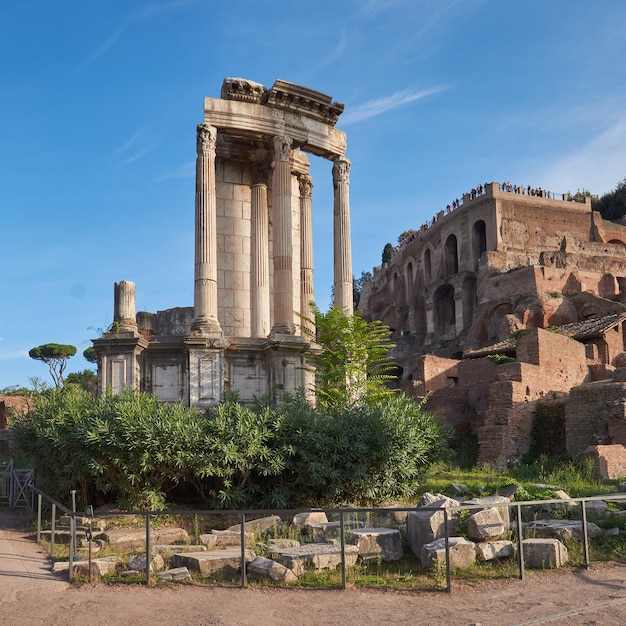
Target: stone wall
[
  {"x": 588, "y": 412},
  {"x": 609, "y": 460}
]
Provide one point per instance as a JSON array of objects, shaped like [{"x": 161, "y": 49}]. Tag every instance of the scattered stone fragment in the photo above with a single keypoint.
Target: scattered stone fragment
[
  {"x": 324, "y": 531},
  {"x": 611, "y": 532},
  {"x": 489, "y": 550},
  {"x": 177, "y": 573},
  {"x": 224, "y": 562},
  {"x": 227, "y": 538},
  {"x": 459, "y": 489},
  {"x": 462, "y": 553},
  {"x": 561, "y": 529},
  {"x": 316, "y": 556},
  {"x": 99, "y": 567},
  {"x": 494, "y": 501},
  {"x": 300, "y": 520},
  {"x": 427, "y": 524},
  {"x": 375, "y": 544},
  {"x": 597, "y": 507},
  {"x": 485, "y": 525},
  {"x": 138, "y": 562},
  {"x": 260, "y": 525},
  {"x": 544, "y": 553},
  {"x": 261, "y": 567}
]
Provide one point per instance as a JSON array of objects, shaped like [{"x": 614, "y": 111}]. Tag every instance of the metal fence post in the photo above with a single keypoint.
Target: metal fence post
[
  {"x": 447, "y": 543},
  {"x": 52, "y": 528},
  {"x": 520, "y": 542},
  {"x": 583, "y": 509},
  {"x": 342, "y": 537},
  {"x": 72, "y": 542},
  {"x": 39, "y": 506},
  {"x": 244, "y": 579},
  {"x": 148, "y": 549}
]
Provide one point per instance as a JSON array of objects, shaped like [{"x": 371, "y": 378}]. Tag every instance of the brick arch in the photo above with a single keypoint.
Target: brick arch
[
  {"x": 428, "y": 266},
  {"x": 451, "y": 255},
  {"x": 607, "y": 286},
  {"x": 495, "y": 317},
  {"x": 410, "y": 272},
  {"x": 479, "y": 241},
  {"x": 444, "y": 310}
]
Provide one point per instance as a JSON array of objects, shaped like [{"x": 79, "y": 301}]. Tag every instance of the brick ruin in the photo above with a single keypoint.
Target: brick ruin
[{"x": 510, "y": 272}]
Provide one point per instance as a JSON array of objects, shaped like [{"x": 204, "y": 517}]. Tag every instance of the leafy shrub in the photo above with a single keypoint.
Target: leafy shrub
[{"x": 142, "y": 453}]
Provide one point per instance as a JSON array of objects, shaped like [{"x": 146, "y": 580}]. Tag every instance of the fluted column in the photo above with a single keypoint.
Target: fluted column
[
  {"x": 283, "y": 244},
  {"x": 260, "y": 274},
  {"x": 342, "y": 246},
  {"x": 307, "y": 294},
  {"x": 205, "y": 275},
  {"x": 124, "y": 313}
]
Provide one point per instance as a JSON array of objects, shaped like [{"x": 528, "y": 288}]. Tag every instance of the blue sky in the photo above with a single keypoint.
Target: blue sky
[{"x": 99, "y": 101}]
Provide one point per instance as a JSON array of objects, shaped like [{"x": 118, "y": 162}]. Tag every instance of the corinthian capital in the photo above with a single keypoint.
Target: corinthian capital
[
  {"x": 306, "y": 185},
  {"x": 206, "y": 137},
  {"x": 282, "y": 148},
  {"x": 341, "y": 170}
]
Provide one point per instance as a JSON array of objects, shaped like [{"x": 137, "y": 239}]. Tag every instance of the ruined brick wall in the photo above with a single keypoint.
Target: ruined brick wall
[
  {"x": 588, "y": 411},
  {"x": 609, "y": 460},
  {"x": 562, "y": 360},
  {"x": 526, "y": 225}
]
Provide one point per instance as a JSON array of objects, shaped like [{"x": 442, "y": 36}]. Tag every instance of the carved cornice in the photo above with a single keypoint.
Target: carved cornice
[
  {"x": 319, "y": 106},
  {"x": 243, "y": 90},
  {"x": 284, "y": 95}
]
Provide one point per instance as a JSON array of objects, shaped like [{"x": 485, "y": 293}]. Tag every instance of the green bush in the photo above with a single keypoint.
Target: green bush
[{"x": 133, "y": 449}]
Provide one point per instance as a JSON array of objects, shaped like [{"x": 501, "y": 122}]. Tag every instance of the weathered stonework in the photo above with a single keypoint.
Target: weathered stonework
[
  {"x": 484, "y": 279},
  {"x": 253, "y": 271}
]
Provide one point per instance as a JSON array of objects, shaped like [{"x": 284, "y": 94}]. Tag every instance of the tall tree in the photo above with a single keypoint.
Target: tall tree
[
  {"x": 612, "y": 206},
  {"x": 387, "y": 253},
  {"x": 55, "y": 356}
]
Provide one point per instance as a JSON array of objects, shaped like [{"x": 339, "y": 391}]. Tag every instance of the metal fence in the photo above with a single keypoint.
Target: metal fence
[
  {"x": 14, "y": 485},
  {"x": 344, "y": 515}
]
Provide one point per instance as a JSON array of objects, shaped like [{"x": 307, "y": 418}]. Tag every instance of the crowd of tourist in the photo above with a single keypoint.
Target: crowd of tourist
[{"x": 475, "y": 192}]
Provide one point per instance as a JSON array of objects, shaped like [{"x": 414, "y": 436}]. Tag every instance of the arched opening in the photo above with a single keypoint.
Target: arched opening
[
  {"x": 427, "y": 267},
  {"x": 607, "y": 287},
  {"x": 444, "y": 309},
  {"x": 497, "y": 322},
  {"x": 409, "y": 280},
  {"x": 452, "y": 257},
  {"x": 469, "y": 299},
  {"x": 479, "y": 241}
]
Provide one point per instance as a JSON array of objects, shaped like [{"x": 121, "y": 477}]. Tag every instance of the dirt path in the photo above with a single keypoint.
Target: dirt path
[{"x": 29, "y": 594}]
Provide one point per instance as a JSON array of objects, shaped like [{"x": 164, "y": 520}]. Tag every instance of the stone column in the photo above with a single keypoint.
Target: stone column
[
  {"x": 283, "y": 245},
  {"x": 342, "y": 246},
  {"x": 205, "y": 275},
  {"x": 307, "y": 293},
  {"x": 260, "y": 273},
  {"x": 124, "y": 310}
]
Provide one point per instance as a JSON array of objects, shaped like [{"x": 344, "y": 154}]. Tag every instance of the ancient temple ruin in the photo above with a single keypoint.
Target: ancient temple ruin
[
  {"x": 472, "y": 296},
  {"x": 253, "y": 278}
]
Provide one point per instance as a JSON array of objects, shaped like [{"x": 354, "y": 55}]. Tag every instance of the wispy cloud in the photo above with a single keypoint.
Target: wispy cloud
[
  {"x": 377, "y": 107},
  {"x": 183, "y": 171},
  {"x": 17, "y": 354},
  {"x": 133, "y": 18},
  {"x": 598, "y": 165},
  {"x": 336, "y": 53}
]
